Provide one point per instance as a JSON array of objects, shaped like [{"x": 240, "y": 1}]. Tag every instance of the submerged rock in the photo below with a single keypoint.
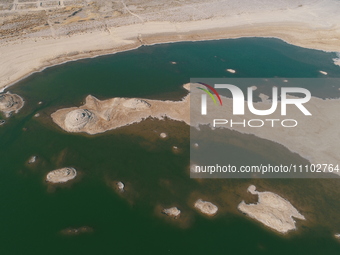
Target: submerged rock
[
  {"x": 61, "y": 175},
  {"x": 78, "y": 119},
  {"x": 76, "y": 231},
  {"x": 10, "y": 103},
  {"x": 172, "y": 212},
  {"x": 2, "y": 122},
  {"x": 206, "y": 207},
  {"x": 120, "y": 186}
]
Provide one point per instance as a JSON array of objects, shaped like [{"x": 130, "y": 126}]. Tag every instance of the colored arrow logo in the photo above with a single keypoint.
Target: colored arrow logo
[{"x": 209, "y": 92}]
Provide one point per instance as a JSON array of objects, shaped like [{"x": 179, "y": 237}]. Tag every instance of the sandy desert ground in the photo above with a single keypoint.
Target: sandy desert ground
[{"x": 37, "y": 34}]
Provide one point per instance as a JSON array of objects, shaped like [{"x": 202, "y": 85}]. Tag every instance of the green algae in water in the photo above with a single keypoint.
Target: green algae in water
[{"x": 33, "y": 213}]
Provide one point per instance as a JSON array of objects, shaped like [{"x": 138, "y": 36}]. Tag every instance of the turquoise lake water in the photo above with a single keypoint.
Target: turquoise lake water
[{"x": 33, "y": 214}]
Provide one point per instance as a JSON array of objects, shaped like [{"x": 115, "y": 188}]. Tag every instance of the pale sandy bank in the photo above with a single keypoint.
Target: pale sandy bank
[{"x": 271, "y": 210}]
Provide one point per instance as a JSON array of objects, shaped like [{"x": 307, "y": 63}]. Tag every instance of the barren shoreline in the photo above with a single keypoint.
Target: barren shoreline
[
  {"x": 97, "y": 116},
  {"x": 159, "y": 38},
  {"x": 272, "y": 210},
  {"x": 99, "y": 53},
  {"x": 303, "y": 25}
]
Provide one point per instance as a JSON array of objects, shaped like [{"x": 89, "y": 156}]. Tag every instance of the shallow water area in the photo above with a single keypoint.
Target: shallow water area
[{"x": 154, "y": 174}]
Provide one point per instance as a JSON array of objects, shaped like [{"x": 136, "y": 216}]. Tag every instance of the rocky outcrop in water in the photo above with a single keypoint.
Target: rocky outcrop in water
[
  {"x": 32, "y": 159},
  {"x": 120, "y": 186},
  {"x": 206, "y": 207},
  {"x": 172, "y": 212},
  {"x": 76, "y": 120},
  {"x": 10, "y": 103},
  {"x": 271, "y": 210},
  {"x": 163, "y": 135},
  {"x": 76, "y": 231},
  {"x": 61, "y": 175}
]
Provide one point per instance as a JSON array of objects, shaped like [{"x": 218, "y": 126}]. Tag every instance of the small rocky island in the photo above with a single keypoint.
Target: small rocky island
[
  {"x": 10, "y": 103},
  {"x": 271, "y": 210},
  {"x": 120, "y": 186},
  {"x": 32, "y": 159},
  {"x": 206, "y": 207},
  {"x": 163, "y": 135},
  {"x": 61, "y": 175},
  {"x": 172, "y": 212}
]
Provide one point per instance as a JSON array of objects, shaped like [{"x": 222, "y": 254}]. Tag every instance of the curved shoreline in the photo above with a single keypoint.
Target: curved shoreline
[
  {"x": 112, "y": 52},
  {"x": 42, "y": 68},
  {"x": 56, "y": 62},
  {"x": 27, "y": 54}
]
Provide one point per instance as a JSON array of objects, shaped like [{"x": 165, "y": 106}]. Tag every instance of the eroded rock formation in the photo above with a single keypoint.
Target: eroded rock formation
[
  {"x": 76, "y": 120},
  {"x": 206, "y": 207},
  {"x": 172, "y": 212},
  {"x": 61, "y": 175},
  {"x": 98, "y": 116},
  {"x": 120, "y": 186},
  {"x": 10, "y": 103}
]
